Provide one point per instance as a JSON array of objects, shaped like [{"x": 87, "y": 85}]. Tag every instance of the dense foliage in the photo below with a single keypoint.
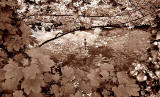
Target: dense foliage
[{"x": 80, "y": 64}]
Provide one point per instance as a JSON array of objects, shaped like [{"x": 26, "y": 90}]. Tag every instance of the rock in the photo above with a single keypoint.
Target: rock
[
  {"x": 157, "y": 72},
  {"x": 134, "y": 73},
  {"x": 159, "y": 45},
  {"x": 158, "y": 36},
  {"x": 151, "y": 74},
  {"x": 156, "y": 66},
  {"x": 155, "y": 43},
  {"x": 148, "y": 88},
  {"x": 141, "y": 77}
]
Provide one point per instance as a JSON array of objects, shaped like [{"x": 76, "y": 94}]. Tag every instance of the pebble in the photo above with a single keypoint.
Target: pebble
[
  {"x": 157, "y": 72},
  {"x": 156, "y": 66},
  {"x": 158, "y": 36},
  {"x": 155, "y": 43},
  {"x": 158, "y": 44},
  {"x": 134, "y": 73},
  {"x": 151, "y": 74},
  {"x": 141, "y": 77}
]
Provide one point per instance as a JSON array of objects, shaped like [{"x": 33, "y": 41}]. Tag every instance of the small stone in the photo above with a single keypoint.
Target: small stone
[
  {"x": 156, "y": 66},
  {"x": 141, "y": 77},
  {"x": 150, "y": 59},
  {"x": 158, "y": 44},
  {"x": 148, "y": 88},
  {"x": 142, "y": 93},
  {"x": 151, "y": 74},
  {"x": 155, "y": 43},
  {"x": 154, "y": 31},
  {"x": 134, "y": 73},
  {"x": 97, "y": 31},
  {"x": 157, "y": 72},
  {"x": 158, "y": 36}
]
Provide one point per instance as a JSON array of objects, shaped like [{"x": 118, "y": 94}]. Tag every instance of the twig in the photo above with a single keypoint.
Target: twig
[
  {"x": 103, "y": 26},
  {"x": 70, "y": 15},
  {"x": 56, "y": 37},
  {"x": 83, "y": 28}
]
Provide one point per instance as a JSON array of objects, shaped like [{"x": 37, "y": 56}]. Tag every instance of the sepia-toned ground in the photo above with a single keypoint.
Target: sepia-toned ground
[
  {"x": 119, "y": 46},
  {"x": 79, "y": 48},
  {"x": 93, "y": 49}
]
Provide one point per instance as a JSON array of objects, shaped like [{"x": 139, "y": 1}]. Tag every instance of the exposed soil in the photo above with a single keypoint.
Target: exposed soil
[{"x": 119, "y": 46}]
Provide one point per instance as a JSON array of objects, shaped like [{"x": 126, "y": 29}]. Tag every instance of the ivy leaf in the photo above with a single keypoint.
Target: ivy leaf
[
  {"x": 33, "y": 85},
  {"x": 12, "y": 3},
  {"x": 120, "y": 91},
  {"x": 105, "y": 74},
  {"x": 25, "y": 29},
  {"x": 48, "y": 77},
  {"x": 41, "y": 58},
  {"x": 7, "y": 95},
  {"x": 10, "y": 84},
  {"x": 31, "y": 71},
  {"x": 95, "y": 94},
  {"x": 65, "y": 90},
  {"x": 77, "y": 94},
  {"x": 35, "y": 95},
  {"x": 25, "y": 62},
  {"x": 106, "y": 66},
  {"x": 127, "y": 87},
  {"x": 3, "y": 53},
  {"x": 123, "y": 78},
  {"x": 11, "y": 29},
  {"x": 55, "y": 90},
  {"x": 56, "y": 77},
  {"x": 2, "y": 74},
  {"x": 4, "y": 15},
  {"x": 106, "y": 93},
  {"x": 13, "y": 43},
  {"x": 93, "y": 77},
  {"x": 45, "y": 63},
  {"x": 133, "y": 89},
  {"x": 35, "y": 52},
  {"x": 18, "y": 93},
  {"x": 12, "y": 70},
  {"x": 68, "y": 72},
  {"x": 27, "y": 39},
  {"x": 126, "y": 91}
]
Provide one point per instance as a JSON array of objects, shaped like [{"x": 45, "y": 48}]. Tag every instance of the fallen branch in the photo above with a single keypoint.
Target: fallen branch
[{"x": 103, "y": 26}]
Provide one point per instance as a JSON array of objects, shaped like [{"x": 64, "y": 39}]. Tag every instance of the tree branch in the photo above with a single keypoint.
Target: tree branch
[
  {"x": 83, "y": 28},
  {"x": 103, "y": 26}
]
